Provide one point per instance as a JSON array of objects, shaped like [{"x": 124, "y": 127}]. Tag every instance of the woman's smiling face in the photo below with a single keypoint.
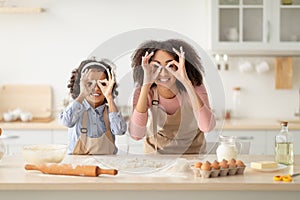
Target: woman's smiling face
[
  {"x": 165, "y": 78},
  {"x": 95, "y": 98}
]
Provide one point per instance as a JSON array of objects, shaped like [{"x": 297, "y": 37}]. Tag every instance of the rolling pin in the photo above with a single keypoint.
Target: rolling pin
[{"x": 68, "y": 169}]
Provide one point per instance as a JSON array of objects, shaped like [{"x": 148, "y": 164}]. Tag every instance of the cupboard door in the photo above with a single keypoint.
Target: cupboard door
[
  {"x": 239, "y": 25},
  {"x": 296, "y": 134},
  {"x": 286, "y": 26},
  {"x": 17, "y": 139},
  {"x": 60, "y": 136},
  {"x": 255, "y": 27}
]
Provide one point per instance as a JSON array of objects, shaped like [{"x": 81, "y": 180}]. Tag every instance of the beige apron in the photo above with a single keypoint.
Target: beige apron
[
  {"x": 177, "y": 133},
  {"x": 101, "y": 145}
]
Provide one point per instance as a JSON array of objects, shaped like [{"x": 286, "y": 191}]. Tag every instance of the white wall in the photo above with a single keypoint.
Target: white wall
[
  {"x": 44, "y": 48},
  {"x": 259, "y": 98}
]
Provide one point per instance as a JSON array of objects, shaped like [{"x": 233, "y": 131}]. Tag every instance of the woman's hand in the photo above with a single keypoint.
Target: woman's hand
[
  {"x": 107, "y": 86},
  {"x": 150, "y": 72},
  {"x": 178, "y": 68},
  {"x": 86, "y": 86}
]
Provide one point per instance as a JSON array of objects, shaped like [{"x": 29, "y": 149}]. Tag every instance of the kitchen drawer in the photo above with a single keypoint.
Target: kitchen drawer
[{"x": 15, "y": 140}]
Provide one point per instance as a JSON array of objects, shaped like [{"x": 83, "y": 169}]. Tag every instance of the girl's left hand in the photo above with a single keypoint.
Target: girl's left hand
[
  {"x": 106, "y": 86},
  {"x": 178, "y": 68}
]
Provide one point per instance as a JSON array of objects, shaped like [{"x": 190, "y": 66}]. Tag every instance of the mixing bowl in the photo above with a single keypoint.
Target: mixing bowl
[{"x": 44, "y": 153}]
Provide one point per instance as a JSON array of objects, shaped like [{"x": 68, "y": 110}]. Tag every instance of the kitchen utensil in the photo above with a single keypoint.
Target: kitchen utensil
[
  {"x": 26, "y": 116},
  {"x": 69, "y": 169},
  {"x": 262, "y": 67},
  {"x": 285, "y": 178},
  {"x": 44, "y": 153},
  {"x": 227, "y": 148},
  {"x": 246, "y": 67},
  {"x": 284, "y": 73},
  {"x": 232, "y": 34}
]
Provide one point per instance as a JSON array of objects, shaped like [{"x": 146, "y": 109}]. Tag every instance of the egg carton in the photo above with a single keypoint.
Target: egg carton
[{"x": 213, "y": 173}]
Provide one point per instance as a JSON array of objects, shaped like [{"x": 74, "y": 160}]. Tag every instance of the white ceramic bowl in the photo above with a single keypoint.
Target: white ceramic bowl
[
  {"x": 7, "y": 117},
  {"x": 26, "y": 116},
  {"x": 44, "y": 153}
]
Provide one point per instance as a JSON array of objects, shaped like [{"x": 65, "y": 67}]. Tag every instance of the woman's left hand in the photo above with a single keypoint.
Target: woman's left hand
[
  {"x": 178, "y": 68},
  {"x": 107, "y": 86}
]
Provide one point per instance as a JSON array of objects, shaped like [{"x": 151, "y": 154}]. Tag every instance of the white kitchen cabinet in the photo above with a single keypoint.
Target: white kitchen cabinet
[
  {"x": 59, "y": 136},
  {"x": 255, "y": 27},
  {"x": 127, "y": 145},
  {"x": 16, "y": 139},
  {"x": 257, "y": 139}
]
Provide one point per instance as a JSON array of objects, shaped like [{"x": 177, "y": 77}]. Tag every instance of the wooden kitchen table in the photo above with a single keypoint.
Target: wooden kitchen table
[{"x": 16, "y": 183}]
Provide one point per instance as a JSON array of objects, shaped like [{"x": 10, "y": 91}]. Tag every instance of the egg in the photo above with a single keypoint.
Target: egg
[
  {"x": 198, "y": 165},
  {"x": 224, "y": 164},
  {"x": 240, "y": 163},
  {"x": 215, "y": 165},
  {"x": 206, "y": 166},
  {"x": 232, "y": 163}
]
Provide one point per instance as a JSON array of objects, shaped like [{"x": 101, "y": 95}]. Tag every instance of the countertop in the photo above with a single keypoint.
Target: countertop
[
  {"x": 51, "y": 125},
  {"x": 15, "y": 177},
  {"x": 232, "y": 124},
  {"x": 257, "y": 124}
]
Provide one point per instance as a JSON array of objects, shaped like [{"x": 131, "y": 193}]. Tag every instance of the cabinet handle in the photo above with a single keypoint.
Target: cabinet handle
[
  {"x": 9, "y": 137},
  {"x": 268, "y": 31},
  {"x": 245, "y": 138}
]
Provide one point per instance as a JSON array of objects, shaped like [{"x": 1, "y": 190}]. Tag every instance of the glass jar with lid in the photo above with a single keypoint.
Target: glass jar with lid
[{"x": 236, "y": 102}]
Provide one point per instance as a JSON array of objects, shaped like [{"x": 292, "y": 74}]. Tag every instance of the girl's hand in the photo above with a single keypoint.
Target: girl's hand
[
  {"x": 178, "y": 68},
  {"x": 86, "y": 86},
  {"x": 150, "y": 72},
  {"x": 107, "y": 86}
]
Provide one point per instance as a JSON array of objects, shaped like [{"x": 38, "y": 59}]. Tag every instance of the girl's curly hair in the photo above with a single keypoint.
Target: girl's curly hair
[
  {"x": 74, "y": 82},
  {"x": 193, "y": 64}
]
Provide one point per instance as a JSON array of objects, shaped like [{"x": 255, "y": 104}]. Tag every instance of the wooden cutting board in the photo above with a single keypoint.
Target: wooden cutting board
[
  {"x": 283, "y": 73},
  {"x": 36, "y": 99}
]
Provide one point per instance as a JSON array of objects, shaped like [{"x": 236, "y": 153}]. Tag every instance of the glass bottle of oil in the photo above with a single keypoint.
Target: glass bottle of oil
[{"x": 284, "y": 149}]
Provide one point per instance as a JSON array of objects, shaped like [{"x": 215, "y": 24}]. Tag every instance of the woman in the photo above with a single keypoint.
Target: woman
[{"x": 169, "y": 84}]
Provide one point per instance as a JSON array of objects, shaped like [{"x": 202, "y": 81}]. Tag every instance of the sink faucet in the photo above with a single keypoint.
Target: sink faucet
[{"x": 298, "y": 113}]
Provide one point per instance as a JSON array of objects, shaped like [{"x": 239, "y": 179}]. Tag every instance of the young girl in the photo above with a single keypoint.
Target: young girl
[
  {"x": 169, "y": 84},
  {"x": 93, "y": 118}
]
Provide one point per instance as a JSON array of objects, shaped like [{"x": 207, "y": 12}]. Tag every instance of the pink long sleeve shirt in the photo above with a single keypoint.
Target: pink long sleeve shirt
[{"x": 204, "y": 116}]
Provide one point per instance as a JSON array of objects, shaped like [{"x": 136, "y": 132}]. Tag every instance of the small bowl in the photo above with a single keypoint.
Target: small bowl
[
  {"x": 26, "y": 116},
  {"x": 44, "y": 153},
  {"x": 7, "y": 117}
]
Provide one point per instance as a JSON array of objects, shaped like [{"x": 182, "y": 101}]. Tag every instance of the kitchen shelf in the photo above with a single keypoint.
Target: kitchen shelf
[{"x": 13, "y": 10}]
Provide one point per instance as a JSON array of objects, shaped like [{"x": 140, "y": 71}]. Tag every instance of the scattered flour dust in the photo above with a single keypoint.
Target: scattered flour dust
[{"x": 140, "y": 164}]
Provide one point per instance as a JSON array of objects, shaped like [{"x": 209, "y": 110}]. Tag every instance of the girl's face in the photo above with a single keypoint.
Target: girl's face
[
  {"x": 165, "y": 78},
  {"x": 96, "y": 98}
]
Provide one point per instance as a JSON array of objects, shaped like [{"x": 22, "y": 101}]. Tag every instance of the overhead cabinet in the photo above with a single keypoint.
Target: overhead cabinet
[{"x": 255, "y": 27}]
